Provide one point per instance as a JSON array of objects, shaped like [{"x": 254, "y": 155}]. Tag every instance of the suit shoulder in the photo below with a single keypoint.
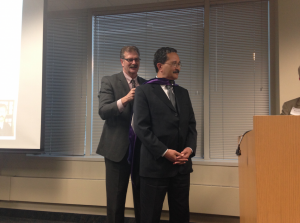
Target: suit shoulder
[
  {"x": 291, "y": 102},
  {"x": 182, "y": 88},
  {"x": 144, "y": 87},
  {"x": 141, "y": 80},
  {"x": 112, "y": 77}
]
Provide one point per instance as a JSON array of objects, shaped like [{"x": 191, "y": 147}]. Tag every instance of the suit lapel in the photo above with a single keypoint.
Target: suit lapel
[
  {"x": 140, "y": 80},
  {"x": 123, "y": 83},
  {"x": 123, "y": 88},
  {"x": 162, "y": 95},
  {"x": 297, "y": 103},
  {"x": 178, "y": 97}
]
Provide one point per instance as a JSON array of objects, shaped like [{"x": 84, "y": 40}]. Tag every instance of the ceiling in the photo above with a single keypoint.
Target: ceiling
[{"x": 59, "y": 5}]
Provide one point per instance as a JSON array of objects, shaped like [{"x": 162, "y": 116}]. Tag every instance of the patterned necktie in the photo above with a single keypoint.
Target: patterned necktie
[
  {"x": 171, "y": 93},
  {"x": 133, "y": 83}
]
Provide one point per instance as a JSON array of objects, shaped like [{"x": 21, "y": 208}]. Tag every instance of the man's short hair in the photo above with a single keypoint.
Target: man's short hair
[
  {"x": 128, "y": 49},
  {"x": 160, "y": 56}
]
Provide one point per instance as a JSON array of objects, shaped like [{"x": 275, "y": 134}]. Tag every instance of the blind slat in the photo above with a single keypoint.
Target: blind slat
[
  {"x": 239, "y": 85},
  {"x": 150, "y": 31},
  {"x": 65, "y": 113}
]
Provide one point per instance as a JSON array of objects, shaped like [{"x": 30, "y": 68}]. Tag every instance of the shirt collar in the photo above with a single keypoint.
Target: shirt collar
[{"x": 128, "y": 78}]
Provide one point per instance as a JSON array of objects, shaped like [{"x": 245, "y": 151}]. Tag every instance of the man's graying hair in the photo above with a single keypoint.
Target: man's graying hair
[
  {"x": 160, "y": 56},
  {"x": 128, "y": 49}
]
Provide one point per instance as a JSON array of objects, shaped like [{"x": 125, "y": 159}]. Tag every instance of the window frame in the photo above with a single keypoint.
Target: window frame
[{"x": 174, "y": 5}]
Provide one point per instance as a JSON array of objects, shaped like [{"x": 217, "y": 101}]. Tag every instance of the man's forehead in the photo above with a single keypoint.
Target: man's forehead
[
  {"x": 131, "y": 53},
  {"x": 173, "y": 56}
]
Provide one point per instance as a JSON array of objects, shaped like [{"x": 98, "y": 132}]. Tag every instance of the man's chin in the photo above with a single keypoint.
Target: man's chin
[
  {"x": 133, "y": 72},
  {"x": 175, "y": 76}
]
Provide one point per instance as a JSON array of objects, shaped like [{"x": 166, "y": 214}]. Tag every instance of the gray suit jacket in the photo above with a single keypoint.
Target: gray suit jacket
[
  {"x": 114, "y": 140},
  {"x": 288, "y": 105}
]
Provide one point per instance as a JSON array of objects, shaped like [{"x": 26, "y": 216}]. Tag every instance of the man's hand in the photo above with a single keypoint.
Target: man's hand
[
  {"x": 129, "y": 97},
  {"x": 184, "y": 156},
  {"x": 172, "y": 155}
]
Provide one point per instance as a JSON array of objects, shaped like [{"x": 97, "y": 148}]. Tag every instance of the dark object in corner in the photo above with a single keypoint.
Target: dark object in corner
[{"x": 238, "y": 150}]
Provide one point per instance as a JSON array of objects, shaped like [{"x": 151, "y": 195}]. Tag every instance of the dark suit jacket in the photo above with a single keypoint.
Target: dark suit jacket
[
  {"x": 288, "y": 105},
  {"x": 159, "y": 126},
  {"x": 114, "y": 140}
]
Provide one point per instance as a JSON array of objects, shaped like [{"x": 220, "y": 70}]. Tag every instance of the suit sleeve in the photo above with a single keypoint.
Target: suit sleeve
[
  {"x": 192, "y": 132},
  {"x": 143, "y": 125},
  {"x": 285, "y": 109},
  {"x": 107, "y": 102}
]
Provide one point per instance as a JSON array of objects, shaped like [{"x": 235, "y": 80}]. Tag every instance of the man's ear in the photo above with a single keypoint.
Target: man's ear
[{"x": 159, "y": 65}]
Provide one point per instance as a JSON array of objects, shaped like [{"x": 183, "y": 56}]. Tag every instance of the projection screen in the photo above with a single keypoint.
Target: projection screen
[{"x": 21, "y": 58}]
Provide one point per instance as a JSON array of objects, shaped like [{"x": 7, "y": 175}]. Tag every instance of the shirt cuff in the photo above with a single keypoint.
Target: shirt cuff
[
  {"x": 164, "y": 153},
  {"x": 120, "y": 105}
]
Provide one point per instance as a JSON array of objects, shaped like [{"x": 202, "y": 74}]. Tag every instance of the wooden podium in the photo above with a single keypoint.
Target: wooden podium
[{"x": 269, "y": 171}]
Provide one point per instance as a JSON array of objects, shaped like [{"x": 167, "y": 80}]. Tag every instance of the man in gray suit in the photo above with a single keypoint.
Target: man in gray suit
[
  {"x": 115, "y": 107},
  {"x": 288, "y": 106},
  {"x": 292, "y": 107}
]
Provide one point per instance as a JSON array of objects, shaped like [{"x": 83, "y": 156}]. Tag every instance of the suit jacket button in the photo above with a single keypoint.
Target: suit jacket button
[{"x": 176, "y": 114}]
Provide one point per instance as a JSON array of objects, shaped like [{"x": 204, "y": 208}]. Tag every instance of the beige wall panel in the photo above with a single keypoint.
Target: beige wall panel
[
  {"x": 21, "y": 165},
  {"x": 206, "y": 200},
  {"x": 214, "y": 200},
  {"x": 289, "y": 49},
  {"x": 203, "y": 199},
  {"x": 62, "y": 191},
  {"x": 4, "y": 188},
  {"x": 129, "y": 199},
  {"x": 215, "y": 175}
]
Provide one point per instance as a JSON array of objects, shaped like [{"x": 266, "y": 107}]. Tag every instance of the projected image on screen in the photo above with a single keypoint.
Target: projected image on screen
[
  {"x": 21, "y": 74},
  {"x": 7, "y": 120},
  {"x": 10, "y": 44}
]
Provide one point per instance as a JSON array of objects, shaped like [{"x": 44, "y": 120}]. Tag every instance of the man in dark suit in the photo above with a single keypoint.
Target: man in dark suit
[
  {"x": 164, "y": 121},
  {"x": 115, "y": 107}
]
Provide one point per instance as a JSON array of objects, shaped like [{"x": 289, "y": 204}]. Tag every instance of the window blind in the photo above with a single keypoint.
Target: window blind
[
  {"x": 181, "y": 29},
  {"x": 239, "y": 73},
  {"x": 66, "y": 73}
]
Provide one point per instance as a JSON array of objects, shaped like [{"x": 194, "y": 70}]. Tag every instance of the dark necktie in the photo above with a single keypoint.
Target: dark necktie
[
  {"x": 133, "y": 83},
  {"x": 171, "y": 93}
]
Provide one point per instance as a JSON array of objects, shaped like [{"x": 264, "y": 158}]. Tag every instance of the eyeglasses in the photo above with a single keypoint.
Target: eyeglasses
[
  {"x": 174, "y": 64},
  {"x": 132, "y": 59}
]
